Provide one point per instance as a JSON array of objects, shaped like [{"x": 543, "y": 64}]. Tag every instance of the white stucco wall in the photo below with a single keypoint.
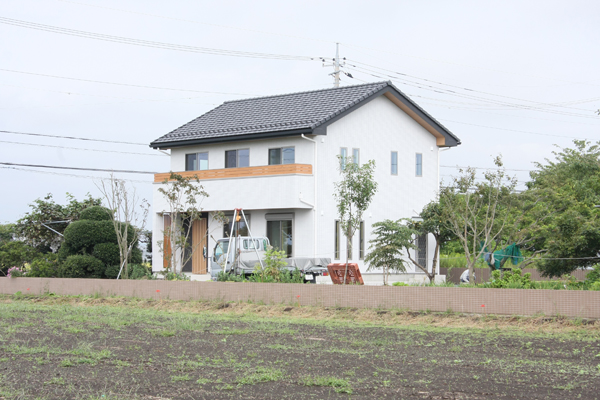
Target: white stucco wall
[{"x": 377, "y": 128}]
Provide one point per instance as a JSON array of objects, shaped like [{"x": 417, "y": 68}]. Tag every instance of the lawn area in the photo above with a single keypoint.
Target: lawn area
[{"x": 54, "y": 347}]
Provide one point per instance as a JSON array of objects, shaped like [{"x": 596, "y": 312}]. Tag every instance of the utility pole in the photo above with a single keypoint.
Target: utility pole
[{"x": 336, "y": 66}]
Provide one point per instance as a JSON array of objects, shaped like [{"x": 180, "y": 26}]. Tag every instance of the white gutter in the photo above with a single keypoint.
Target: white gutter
[{"x": 314, "y": 205}]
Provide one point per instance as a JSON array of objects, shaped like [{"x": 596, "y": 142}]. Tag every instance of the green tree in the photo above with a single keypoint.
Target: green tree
[
  {"x": 46, "y": 211},
  {"x": 353, "y": 195},
  {"x": 569, "y": 237},
  {"x": 183, "y": 196},
  {"x": 385, "y": 249}
]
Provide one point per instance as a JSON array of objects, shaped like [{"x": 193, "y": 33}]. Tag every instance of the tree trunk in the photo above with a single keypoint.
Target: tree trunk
[{"x": 346, "y": 271}]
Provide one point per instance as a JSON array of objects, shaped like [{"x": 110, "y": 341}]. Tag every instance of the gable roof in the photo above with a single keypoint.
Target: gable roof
[{"x": 293, "y": 114}]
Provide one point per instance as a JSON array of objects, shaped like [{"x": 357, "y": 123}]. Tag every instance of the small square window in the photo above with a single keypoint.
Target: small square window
[
  {"x": 196, "y": 161},
  {"x": 284, "y": 155},
  {"x": 237, "y": 158},
  {"x": 394, "y": 163},
  {"x": 419, "y": 164}
]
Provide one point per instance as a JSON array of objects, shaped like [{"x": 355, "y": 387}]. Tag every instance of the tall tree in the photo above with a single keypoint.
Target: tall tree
[
  {"x": 183, "y": 196},
  {"x": 353, "y": 195},
  {"x": 126, "y": 210},
  {"x": 477, "y": 212},
  {"x": 570, "y": 235},
  {"x": 30, "y": 228}
]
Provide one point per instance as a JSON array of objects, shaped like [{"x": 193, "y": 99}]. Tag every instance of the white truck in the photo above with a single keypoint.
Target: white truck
[{"x": 246, "y": 252}]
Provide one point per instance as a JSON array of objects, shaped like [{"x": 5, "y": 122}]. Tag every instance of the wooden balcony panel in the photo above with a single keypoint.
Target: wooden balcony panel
[{"x": 225, "y": 173}]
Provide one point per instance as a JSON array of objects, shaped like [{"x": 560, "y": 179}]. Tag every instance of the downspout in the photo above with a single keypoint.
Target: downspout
[
  {"x": 314, "y": 205},
  {"x": 437, "y": 267}
]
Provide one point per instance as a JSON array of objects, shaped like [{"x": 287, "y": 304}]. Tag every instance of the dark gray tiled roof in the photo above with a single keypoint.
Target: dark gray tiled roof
[{"x": 273, "y": 113}]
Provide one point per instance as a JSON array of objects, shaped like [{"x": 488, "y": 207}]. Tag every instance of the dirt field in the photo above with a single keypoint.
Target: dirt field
[{"x": 93, "y": 348}]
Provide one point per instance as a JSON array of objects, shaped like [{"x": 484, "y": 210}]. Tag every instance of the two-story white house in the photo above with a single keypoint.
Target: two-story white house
[{"x": 276, "y": 158}]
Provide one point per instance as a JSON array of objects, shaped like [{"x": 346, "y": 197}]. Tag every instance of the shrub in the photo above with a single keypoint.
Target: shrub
[
  {"x": 112, "y": 271},
  {"x": 80, "y": 266},
  {"x": 400, "y": 284},
  {"x": 140, "y": 271},
  {"x": 82, "y": 236},
  {"x": 45, "y": 267},
  {"x": 95, "y": 213},
  {"x": 15, "y": 272},
  {"x": 511, "y": 280},
  {"x": 229, "y": 277},
  {"x": 108, "y": 253}
]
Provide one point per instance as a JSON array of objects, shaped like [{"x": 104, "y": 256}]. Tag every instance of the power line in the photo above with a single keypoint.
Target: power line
[
  {"x": 467, "y": 96},
  {"x": 198, "y": 22},
  {"x": 515, "y": 130},
  {"x": 74, "y": 138},
  {"x": 71, "y": 175},
  {"x": 125, "y": 84},
  {"x": 479, "y": 91},
  {"x": 125, "y": 171},
  {"x": 149, "y": 43},
  {"x": 495, "y": 169},
  {"x": 79, "y": 148}
]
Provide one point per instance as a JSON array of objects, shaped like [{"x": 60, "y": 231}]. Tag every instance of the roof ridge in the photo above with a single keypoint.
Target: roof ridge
[{"x": 307, "y": 91}]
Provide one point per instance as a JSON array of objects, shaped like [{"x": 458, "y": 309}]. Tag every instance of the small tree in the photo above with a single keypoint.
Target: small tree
[
  {"x": 478, "y": 212},
  {"x": 123, "y": 204},
  {"x": 432, "y": 222},
  {"x": 183, "y": 196},
  {"x": 353, "y": 194},
  {"x": 386, "y": 248}
]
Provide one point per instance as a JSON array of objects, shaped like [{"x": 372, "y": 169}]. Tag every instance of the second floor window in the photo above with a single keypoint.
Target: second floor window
[
  {"x": 419, "y": 164},
  {"x": 343, "y": 157},
  {"x": 237, "y": 158},
  {"x": 356, "y": 156},
  {"x": 284, "y": 155},
  {"x": 394, "y": 163},
  {"x": 196, "y": 162}
]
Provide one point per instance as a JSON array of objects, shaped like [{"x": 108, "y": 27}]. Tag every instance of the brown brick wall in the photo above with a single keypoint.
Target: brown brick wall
[{"x": 570, "y": 303}]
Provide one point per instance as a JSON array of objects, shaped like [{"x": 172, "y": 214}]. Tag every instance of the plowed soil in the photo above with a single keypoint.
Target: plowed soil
[{"x": 74, "y": 348}]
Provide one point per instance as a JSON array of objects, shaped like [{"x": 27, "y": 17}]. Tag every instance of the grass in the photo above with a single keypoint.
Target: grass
[
  {"x": 338, "y": 384},
  {"x": 378, "y": 346}
]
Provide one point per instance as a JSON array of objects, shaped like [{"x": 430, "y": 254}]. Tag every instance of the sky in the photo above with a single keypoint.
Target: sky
[{"x": 509, "y": 78}]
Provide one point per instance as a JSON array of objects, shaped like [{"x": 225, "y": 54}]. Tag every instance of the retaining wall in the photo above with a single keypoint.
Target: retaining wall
[{"x": 569, "y": 303}]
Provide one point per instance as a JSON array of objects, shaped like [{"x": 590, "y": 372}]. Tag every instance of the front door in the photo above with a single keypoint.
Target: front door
[{"x": 199, "y": 244}]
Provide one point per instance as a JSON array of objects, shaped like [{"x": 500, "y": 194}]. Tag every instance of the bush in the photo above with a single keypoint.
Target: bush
[
  {"x": 95, "y": 213},
  {"x": 82, "y": 266},
  {"x": 112, "y": 271},
  {"x": 511, "y": 280},
  {"x": 229, "y": 277},
  {"x": 45, "y": 267},
  {"x": 108, "y": 253},
  {"x": 15, "y": 254},
  {"x": 82, "y": 236},
  {"x": 140, "y": 271}
]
